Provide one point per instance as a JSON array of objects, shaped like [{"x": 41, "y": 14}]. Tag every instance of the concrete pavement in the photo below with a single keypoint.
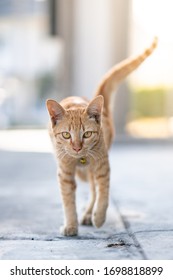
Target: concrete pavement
[{"x": 140, "y": 217}]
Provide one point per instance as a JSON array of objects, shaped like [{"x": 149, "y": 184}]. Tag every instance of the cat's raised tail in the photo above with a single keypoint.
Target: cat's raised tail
[{"x": 119, "y": 72}]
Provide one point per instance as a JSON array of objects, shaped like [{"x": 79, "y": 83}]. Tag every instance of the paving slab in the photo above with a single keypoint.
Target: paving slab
[{"x": 144, "y": 192}]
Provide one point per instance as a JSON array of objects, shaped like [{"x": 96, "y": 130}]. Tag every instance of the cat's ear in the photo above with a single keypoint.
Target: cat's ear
[
  {"x": 56, "y": 111},
  {"x": 95, "y": 107}
]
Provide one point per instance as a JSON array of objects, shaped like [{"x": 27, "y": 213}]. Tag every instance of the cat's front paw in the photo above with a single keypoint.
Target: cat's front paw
[
  {"x": 86, "y": 220},
  {"x": 69, "y": 230},
  {"x": 98, "y": 219}
]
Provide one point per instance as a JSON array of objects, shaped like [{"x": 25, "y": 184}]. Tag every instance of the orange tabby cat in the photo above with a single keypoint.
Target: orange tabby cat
[{"x": 82, "y": 132}]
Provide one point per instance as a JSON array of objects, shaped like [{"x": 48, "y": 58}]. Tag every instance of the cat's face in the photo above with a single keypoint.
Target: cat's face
[{"x": 76, "y": 130}]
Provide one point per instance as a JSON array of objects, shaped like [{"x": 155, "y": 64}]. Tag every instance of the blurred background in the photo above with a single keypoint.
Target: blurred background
[{"x": 57, "y": 48}]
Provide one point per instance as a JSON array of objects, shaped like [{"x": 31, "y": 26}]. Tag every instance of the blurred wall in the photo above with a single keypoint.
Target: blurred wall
[{"x": 96, "y": 37}]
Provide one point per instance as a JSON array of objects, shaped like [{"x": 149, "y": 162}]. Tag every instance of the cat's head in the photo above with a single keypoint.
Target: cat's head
[{"x": 76, "y": 130}]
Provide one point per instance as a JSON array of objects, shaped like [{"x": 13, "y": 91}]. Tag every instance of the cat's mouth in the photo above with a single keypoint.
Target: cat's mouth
[{"x": 76, "y": 155}]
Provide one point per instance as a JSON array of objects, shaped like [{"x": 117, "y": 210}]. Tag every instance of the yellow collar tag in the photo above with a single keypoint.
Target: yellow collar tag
[{"x": 83, "y": 160}]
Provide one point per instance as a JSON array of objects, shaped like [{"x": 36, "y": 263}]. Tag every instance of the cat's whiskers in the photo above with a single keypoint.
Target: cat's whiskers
[
  {"x": 61, "y": 155},
  {"x": 90, "y": 155},
  {"x": 61, "y": 152},
  {"x": 95, "y": 154}
]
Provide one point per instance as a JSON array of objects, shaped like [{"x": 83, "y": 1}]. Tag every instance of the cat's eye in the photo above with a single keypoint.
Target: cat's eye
[
  {"x": 66, "y": 135},
  {"x": 87, "y": 134}
]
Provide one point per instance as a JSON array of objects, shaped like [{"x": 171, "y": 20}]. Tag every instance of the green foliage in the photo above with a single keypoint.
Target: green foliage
[{"x": 148, "y": 102}]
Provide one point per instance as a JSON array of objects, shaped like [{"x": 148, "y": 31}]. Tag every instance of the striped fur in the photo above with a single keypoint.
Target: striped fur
[{"x": 81, "y": 133}]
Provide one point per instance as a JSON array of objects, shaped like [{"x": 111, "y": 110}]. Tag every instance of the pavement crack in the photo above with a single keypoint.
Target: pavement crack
[
  {"x": 153, "y": 230},
  {"x": 47, "y": 239},
  {"x": 121, "y": 243},
  {"x": 129, "y": 231}
]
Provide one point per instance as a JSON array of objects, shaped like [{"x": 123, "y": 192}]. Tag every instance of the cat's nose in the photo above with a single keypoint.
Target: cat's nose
[{"x": 76, "y": 148}]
